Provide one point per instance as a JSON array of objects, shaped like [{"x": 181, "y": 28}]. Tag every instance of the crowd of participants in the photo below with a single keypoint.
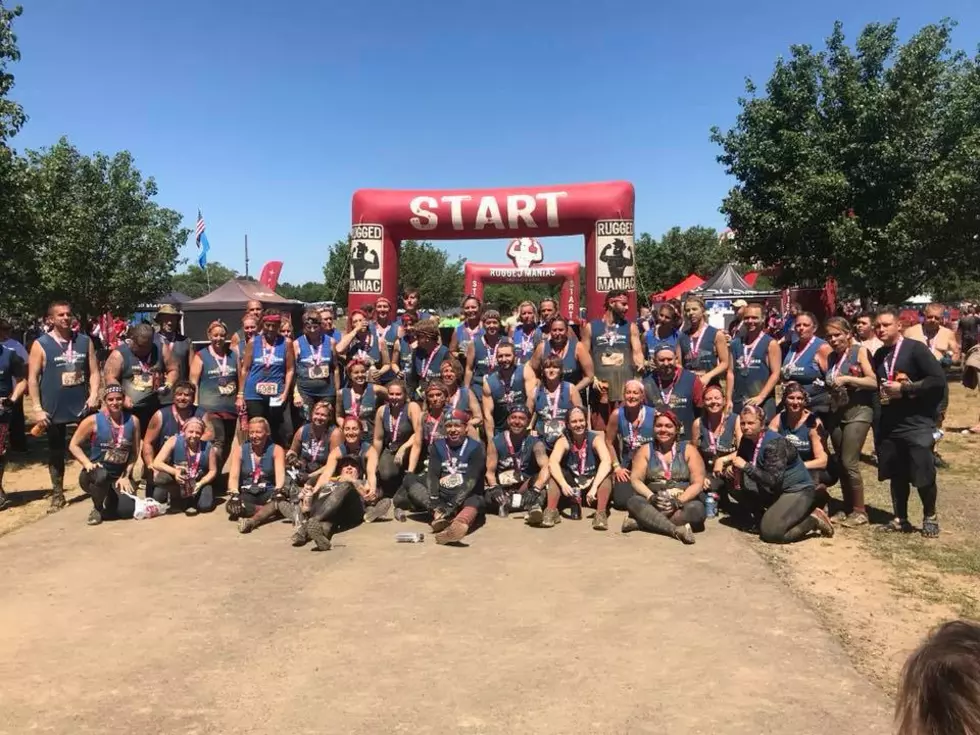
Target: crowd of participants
[{"x": 658, "y": 417}]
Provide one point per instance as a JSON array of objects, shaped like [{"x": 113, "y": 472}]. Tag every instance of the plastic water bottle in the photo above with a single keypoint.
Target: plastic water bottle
[
  {"x": 576, "y": 510},
  {"x": 711, "y": 505},
  {"x": 502, "y": 509},
  {"x": 409, "y": 537}
]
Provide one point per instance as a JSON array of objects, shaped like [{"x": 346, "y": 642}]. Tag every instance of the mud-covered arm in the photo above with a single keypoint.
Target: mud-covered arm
[{"x": 775, "y": 458}]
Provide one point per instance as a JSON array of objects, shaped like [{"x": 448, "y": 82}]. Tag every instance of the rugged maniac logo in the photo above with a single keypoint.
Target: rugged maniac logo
[
  {"x": 615, "y": 266},
  {"x": 366, "y": 253},
  {"x": 525, "y": 252}
]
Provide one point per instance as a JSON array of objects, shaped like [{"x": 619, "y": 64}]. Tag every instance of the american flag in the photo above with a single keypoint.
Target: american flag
[
  {"x": 199, "y": 229},
  {"x": 202, "y": 240}
]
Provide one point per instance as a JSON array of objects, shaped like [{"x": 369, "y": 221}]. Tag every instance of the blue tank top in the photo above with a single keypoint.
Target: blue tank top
[
  {"x": 680, "y": 471},
  {"x": 517, "y": 455},
  {"x": 64, "y": 382},
  {"x": 484, "y": 361},
  {"x": 455, "y": 460},
  {"x": 750, "y": 363},
  {"x": 141, "y": 378},
  {"x": 110, "y": 446},
  {"x": 311, "y": 451},
  {"x": 723, "y": 444},
  {"x": 390, "y": 335},
  {"x": 459, "y": 400},
  {"x": 505, "y": 394},
  {"x": 314, "y": 369},
  {"x": 581, "y": 467},
  {"x": 406, "y": 360},
  {"x": 678, "y": 397},
  {"x": 803, "y": 367},
  {"x": 171, "y": 424},
  {"x": 571, "y": 371},
  {"x": 800, "y": 436},
  {"x": 262, "y": 477},
  {"x": 366, "y": 348},
  {"x": 633, "y": 437},
  {"x": 704, "y": 358},
  {"x": 183, "y": 458},
  {"x": 218, "y": 385},
  {"x": 464, "y": 338},
  {"x": 425, "y": 366},
  {"x": 365, "y": 408},
  {"x": 525, "y": 343},
  {"x": 8, "y": 363},
  {"x": 267, "y": 376},
  {"x": 361, "y": 456},
  {"x": 550, "y": 413},
  {"x": 652, "y": 342},
  {"x": 397, "y": 430}
]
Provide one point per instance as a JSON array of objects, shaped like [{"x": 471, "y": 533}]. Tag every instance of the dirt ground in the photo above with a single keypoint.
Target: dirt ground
[{"x": 181, "y": 625}]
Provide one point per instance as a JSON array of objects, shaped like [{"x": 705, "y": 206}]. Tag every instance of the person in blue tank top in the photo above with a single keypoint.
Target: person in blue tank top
[
  {"x": 394, "y": 438},
  {"x": 804, "y": 430},
  {"x": 714, "y": 432},
  {"x": 552, "y": 399},
  {"x": 251, "y": 323},
  {"x": 517, "y": 469},
  {"x": 13, "y": 385},
  {"x": 63, "y": 381},
  {"x": 267, "y": 371},
  {"x": 772, "y": 483},
  {"x": 579, "y": 468},
  {"x": 806, "y": 363},
  {"x": 470, "y": 330},
  {"x": 354, "y": 443},
  {"x": 411, "y": 300},
  {"x": 214, "y": 375},
  {"x": 360, "y": 343},
  {"x": 143, "y": 371},
  {"x": 403, "y": 357},
  {"x": 664, "y": 333},
  {"x": 502, "y": 389},
  {"x": 257, "y": 479},
  {"x": 385, "y": 329},
  {"x": 481, "y": 354},
  {"x": 427, "y": 357},
  {"x": 186, "y": 467},
  {"x": 630, "y": 427},
  {"x": 113, "y": 439},
  {"x": 577, "y": 367},
  {"x": 306, "y": 457},
  {"x": 359, "y": 397},
  {"x": 169, "y": 421},
  {"x": 670, "y": 387},
  {"x": 456, "y": 473},
  {"x": 704, "y": 349},
  {"x": 617, "y": 354},
  {"x": 413, "y": 494},
  {"x": 753, "y": 365},
  {"x": 668, "y": 479},
  {"x": 526, "y": 334},
  {"x": 176, "y": 346},
  {"x": 317, "y": 378},
  {"x": 461, "y": 397}
]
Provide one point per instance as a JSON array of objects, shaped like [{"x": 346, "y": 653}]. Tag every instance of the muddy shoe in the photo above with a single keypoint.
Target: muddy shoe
[
  {"x": 401, "y": 515},
  {"x": 550, "y": 518},
  {"x": 600, "y": 521},
  {"x": 896, "y": 525},
  {"x": 456, "y": 531},
  {"x": 855, "y": 520},
  {"x": 839, "y": 517},
  {"x": 190, "y": 510},
  {"x": 377, "y": 511},
  {"x": 930, "y": 527},
  {"x": 300, "y": 536},
  {"x": 94, "y": 518},
  {"x": 684, "y": 534},
  {"x": 319, "y": 533},
  {"x": 245, "y": 525},
  {"x": 439, "y": 523},
  {"x": 535, "y": 516},
  {"x": 629, "y": 525},
  {"x": 58, "y": 501},
  {"x": 4, "y": 500},
  {"x": 824, "y": 526}
]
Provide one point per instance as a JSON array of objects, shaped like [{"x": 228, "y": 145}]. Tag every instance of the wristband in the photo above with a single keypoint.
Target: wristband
[{"x": 616, "y": 465}]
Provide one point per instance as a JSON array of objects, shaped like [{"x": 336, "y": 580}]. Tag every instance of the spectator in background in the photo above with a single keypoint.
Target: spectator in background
[
  {"x": 966, "y": 328},
  {"x": 17, "y": 425},
  {"x": 736, "y": 323}
]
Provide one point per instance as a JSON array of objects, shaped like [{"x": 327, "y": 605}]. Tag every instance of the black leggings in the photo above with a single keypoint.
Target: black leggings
[
  {"x": 785, "y": 519},
  {"x": 278, "y": 417},
  {"x": 224, "y": 437},
  {"x": 901, "y": 489},
  {"x": 390, "y": 473},
  {"x": 342, "y": 506},
  {"x": 413, "y": 496},
  {"x": 653, "y": 520},
  {"x": 166, "y": 490},
  {"x": 57, "y": 443},
  {"x": 100, "y": 486},
  {"x": 621, "y": 494}
]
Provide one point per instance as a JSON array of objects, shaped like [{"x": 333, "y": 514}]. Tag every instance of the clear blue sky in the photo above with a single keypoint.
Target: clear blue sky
[{"x": 269, "y": 115}]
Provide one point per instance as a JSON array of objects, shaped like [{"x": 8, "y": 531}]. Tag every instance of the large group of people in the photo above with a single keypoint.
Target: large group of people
[{"x": 663, "y": 420}]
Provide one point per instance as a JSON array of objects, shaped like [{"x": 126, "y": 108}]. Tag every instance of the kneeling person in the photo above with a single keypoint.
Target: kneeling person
[
  {"x": 517, "y": 468},
  {"x": 185, "y": 467}
]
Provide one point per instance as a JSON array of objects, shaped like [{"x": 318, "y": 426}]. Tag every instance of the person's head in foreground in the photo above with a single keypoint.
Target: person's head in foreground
[{"x": 940, "y": 689}]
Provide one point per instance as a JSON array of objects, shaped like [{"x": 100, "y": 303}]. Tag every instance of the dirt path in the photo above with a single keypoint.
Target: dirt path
[{"x": 161, "y": 627}]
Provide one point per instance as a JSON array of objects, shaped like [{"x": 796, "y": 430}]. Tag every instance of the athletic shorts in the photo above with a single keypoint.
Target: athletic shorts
[{"x": 908, "y": 456}]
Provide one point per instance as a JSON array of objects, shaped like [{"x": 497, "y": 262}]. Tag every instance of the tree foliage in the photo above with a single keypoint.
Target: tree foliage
[
  {"x": 100, "y": 239},
  {"x": 861, "y": 164},
  {"x": 309, "y": 292},
  {"x": 662, "y": 263},
  {"x": 194, "y": 280}
]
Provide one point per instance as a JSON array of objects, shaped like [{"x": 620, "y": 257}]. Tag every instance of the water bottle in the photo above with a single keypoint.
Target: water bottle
[
  {"x": 297, "y": 513},
  {"x": 502, "y": 509},
  {"x": 576, "y": 511},
  {"x": 409, "y": 538},
  {"x": 711, "y": 505}
]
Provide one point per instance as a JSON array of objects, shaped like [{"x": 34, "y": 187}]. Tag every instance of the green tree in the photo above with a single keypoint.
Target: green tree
[
  {"x": 505, "y": 297},
  {"x": 678, "y": 254},
  {"x": 309, "y": 292},
  {"x": 194, "y": 280},
  {"x": 860, "y": 163},
  {"x": 336, "y": 272},
  {"x": 101, "y": 240}
]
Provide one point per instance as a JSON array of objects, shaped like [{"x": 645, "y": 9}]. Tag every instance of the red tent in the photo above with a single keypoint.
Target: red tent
[
  {"x": 675, "y": 292},
  {"x": 751, "y": 277}
]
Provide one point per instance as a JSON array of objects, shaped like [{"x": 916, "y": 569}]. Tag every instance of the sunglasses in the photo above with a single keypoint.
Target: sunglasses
[{"x": 311, "y": 321}]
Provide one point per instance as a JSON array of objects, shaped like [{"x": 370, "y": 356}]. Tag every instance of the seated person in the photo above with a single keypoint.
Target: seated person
[
  {"x": 168, "y": 422},
  {"x": 363, "y": 452},
  {"x": 257, "y": 479},
  {"x": 359, "y": 397},
  {"x": 113, "y": 436},
  {"x": 307, "y": 454},
  {"x": 333, "y": 505},
  {"x": 771, "y": 481},
  {"x": 517, "y": 468},
  {"x": 460, "y": 397},
  {"x": 579, "y": 464},
  {"x": 395, "y": 438},
  {"x": 668, "y": 477},
  {"x": 805, "y": 432},
  {"x": 715, "y": 433},
  {"x": 629, "y": 427},
  {"x": 413, "y": 495},
  {"x": 185, "y": 469},
  {"x": 552, "y": 399},
  {"x": 670, "y": 387}
]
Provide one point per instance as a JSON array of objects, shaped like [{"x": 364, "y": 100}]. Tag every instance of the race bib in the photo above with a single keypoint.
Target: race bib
[
  {"x": 509, "y": 477},
  {"x": 553, "y": 428},
  {"x": 226, "y": 386},
  {"x": 267, "y": 389},
  {"x": 451, "y": 481},
  {"x": 516, "y": 501},
  {"x": 116, "y": 455},
  {"x": 317, "y": 372},
  {"x": 72, "y": 377},
  {"x": 612, "y": 359}
]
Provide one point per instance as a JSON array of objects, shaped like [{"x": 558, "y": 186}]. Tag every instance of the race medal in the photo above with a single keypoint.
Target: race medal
[
  {"x": 71, "y": 378},
  {"x": 226, "y": 386},
  {"x": 508, "y": 477},
  {"x": 116, "y": 455},
  {"x": 316, "y": 372},
  {"x": 553, "y": 428},
  {"x": 267, "y": 389},
  {"x": 451, "y": 481}
]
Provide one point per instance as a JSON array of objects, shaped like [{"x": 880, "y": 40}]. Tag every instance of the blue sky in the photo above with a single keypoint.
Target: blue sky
[{"x": 269, "y": 115}]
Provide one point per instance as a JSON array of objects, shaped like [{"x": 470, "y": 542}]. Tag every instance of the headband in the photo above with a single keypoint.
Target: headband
[
  {"x": 114, "y": 389},
  {"x": 194, "y": 421},
  {"x": 518, "y": 408},
  {"x": 667, "y": 413},
  {"x": 457, "y": 417},
  {"x": 272, "y": 318},
  {"x": 754, "y": 408}
]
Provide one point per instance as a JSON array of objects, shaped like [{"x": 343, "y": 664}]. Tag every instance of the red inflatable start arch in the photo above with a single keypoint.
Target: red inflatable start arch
[{"x": 601, "y": 212}]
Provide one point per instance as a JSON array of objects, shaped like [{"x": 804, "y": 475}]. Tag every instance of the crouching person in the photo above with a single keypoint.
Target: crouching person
[
  {"x": 517, "y": 469},
  {"x": 257, "y": 479},
  {"x": 185, "y": 468},
  {"x": 668, "y": 477},
  {"x": 113, "y": 436},
  {"x": 579, "y": 464},
  {"x": 457, "y": 466},
  {"x": 335, "y": 504}
]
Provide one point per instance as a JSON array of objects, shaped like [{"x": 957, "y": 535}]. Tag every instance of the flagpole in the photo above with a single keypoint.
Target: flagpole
[{"x": 246, "y": 255}]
